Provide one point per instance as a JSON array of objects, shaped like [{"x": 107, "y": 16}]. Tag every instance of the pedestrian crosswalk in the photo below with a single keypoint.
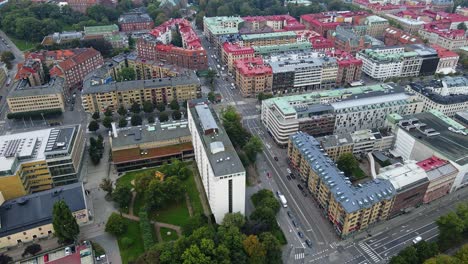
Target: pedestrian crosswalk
[
  {"x": 299, "y": 256},
  {"x": 369, "y": 252}
]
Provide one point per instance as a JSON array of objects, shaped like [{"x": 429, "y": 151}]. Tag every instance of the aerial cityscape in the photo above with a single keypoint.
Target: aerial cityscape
[{"x": 256, "y": 132}]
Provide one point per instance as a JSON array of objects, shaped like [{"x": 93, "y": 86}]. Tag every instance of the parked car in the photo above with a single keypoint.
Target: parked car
[
  {"x": 268, "y": 174},
  {"x": 67, "y": 251},
  {"x": 276, "y": 158},
  {"x": 293, "y": 176},
  {"x": 309, "y": 244},
  {"x": 288, "y": 170},
  {"x": 304, "y": 193},
  {"x": 288, "y": 177},
  {"x": 300, "y": 234},
  {"x": 289, "y": 214},
  {"x": 294, "y": 223},
  {"x": 300, "y": 187}
]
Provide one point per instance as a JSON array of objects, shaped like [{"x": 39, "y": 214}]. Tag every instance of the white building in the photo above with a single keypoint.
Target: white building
[
  {"x": 371, "y": 140},
  {"x": 421, "y": 136},
  {"x": 220, "y": 168},
  {"x": 382, "y": 63}
]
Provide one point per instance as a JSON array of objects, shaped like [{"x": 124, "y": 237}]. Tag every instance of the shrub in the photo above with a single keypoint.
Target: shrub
[
  {"x": 146, "y": 229},
  {"x": 127, "y": 242},
  {"x": 116, "y": 225}
]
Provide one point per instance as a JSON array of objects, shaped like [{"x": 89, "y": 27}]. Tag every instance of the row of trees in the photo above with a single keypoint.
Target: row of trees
[
  {"x": 96, "y": 149},
  {"x": 453, "y": 230},
  {"x": 234, "y": 241},
  {"x": 7, "y": 57},
  {"x": 247, "y": 146}
]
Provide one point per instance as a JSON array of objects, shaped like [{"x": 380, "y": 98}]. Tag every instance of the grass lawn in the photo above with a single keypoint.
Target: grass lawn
[
  {"x": 132, "y": 252},
  {"x": 23, "y": 45},
  {"x": 194, "y": 194},
  {"x": 130, "y": 176},
  {"x": 358, "y": 174},
  {"x": 176, "y": 214},
  {"x": 171, "y": 237}
]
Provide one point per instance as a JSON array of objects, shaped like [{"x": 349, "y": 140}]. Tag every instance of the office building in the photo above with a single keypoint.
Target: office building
[
  {"x": 448, "y": 60},
  {"x": 427, "y": 134},
  {"x": 76, "y": 67},
  {"x": 409, "y": 25},
  {"x": 29, "y": 218},
  {"x": 349, "y": 208},
  {"x": 220, "y": 169},
  {"x": 375, "y": 26},
  {"x": 462, "y": 117},
  {"x": 448, "y": 95},
  {"x": 27, "y": 99},
  {"x": 135, "y": 21},
  {"x": 253, "y": 76},
  {"x": 410, "y": 183},
  {"x": 325, "y": 21},
  {"x": 296, "y": 72},
  {"x": 441, "y": 175},
  {"x": 61, "y": 38},
  {"x": 101, "y": 92},
  {"x": 283, "y": 48},
  {"x": 213, "y": 27},
  {"x": 335, "y": 111},
  {"x": 150, "y": 146},
  {"x": 38, "y": 160}
]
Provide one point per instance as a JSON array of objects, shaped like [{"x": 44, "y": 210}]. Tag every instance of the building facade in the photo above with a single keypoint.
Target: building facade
[
  {"x": 151, "y": 146},
  {"x": 232, "y": 52},
  {"x": 375, "y": 26},
  {"x": 349, "y": 208},
  {"x": 221, "y": 171},
  {"x": 253, "y": 76},
  {"x": 135, "y": 21},
  {"x": 445, "y": 38},
  {"x": 441, "y": 175}
]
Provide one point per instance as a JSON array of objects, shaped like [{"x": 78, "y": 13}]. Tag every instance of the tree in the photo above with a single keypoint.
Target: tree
[
  {"x": 210, "y": 75},
  {"x": 161, "y": 107},
  {"x": 461, "y": 26},
  {"x": 347, "y": 163},
  {"x": 440, "y": 259},
  {"x": 254, "y": 249},
  {"x": 148, "y": 107},
  {"x": 7, "y": 57},
  {"x": 234, "y": 219},
  {"x": 116, "y": 224},
  {"x": 93, "y": 126},
  {"x": 272, "y": 247},
  {"x": 253, "y": 146},
  {"x": 122, "y": 111},
  {"x": 150, "y": 119},
  {"x": 122, "y": 122},
  {"x": 176, "y": 115},
  {"x": 426, "y": 250},
  {"x": 451, "y": 228},
  {"x": 266, "y": 198},
  {"x": 262, "y": 96},
  {"x": 193, "y": 255},
  {"x": 107, "y": 185},
  {"x": 95, "y": 115},
  {"x": 211, "y": 97},
  {"x": 462, "y": 254},
  {"x": 108, "y": 112},
  {"x": 107, "y": 122},
  {"x": 176, "y": 38},
  {"x": 65, "y": 227},
  {"x": 122, "y": 195},
  {"x": 135, "y": 108},
  {"x": 174, "y": 105},
  {"x": 232, "y": 123},
  {"x": 136, "y": 120},
  {"x": 154, "y": 195},
  {"x": 142, "y": 182},
  {"x": 131, "y": 42},
  {"x": 32, "y": 249},
  {"x": 163, "y": 117},
  {"x": 5, "y": 259},
  {"x": 126, "y": 74}
]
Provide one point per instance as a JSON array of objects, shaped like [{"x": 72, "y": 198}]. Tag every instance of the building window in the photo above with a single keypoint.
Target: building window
[{"x": 230, "y": 195}]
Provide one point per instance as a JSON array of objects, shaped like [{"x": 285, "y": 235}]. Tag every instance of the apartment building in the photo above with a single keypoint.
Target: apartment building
[
  {"x": 265, "y": 39},
  {"x": 396, "y": 37},
  {"x": 76, "y": 67},
  {"x": 156, "y": 46},
  {"x": 213, "y": 27},
  {"x": 220, "y": 169},
  {"x": 253, "y": 76},
  {"x": 52, "y": 57},
  {"x": 410, "y": 183},
  {"x": 451, "y": 39},
  {"x": 38, "y": 160},
  {"x": 350, "y": 208},
  {"x": 135, "y": 21},
  {"x": 29, "y": 218},
  {"x": 375, "y": 26},
  {"x": 294, "y": 72},
  {"x": 325, "y": 21},
  {"x": 26, "y": 99},
  {"x": 349, "y": 39},
  {"x": 349, "y": 68},
  {"x": 448, "y": 60},
  {"x": 336, "y": 145},
  {"x": 149, "y": 69},
  {"x": 31, "y": 71},
  {"x": 283, "y": 48},
  {"x": 388, "y": 62},
  {"x": 427, "y": 134},
  {"x": 441, "y": 175},
  {"x": 448, "y": 95},
  {"x": 232, "y": 52},
  {"x": 150, "y": 146},
  {"x": 409, "y": 25},
  {"x": 335, "y": 111},
  {"x": 259, "y": 24}
]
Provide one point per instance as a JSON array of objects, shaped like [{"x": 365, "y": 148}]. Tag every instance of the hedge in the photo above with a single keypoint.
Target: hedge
[
  {"x": 146, "y": 229},
  {"x": 34, "y": 114}
]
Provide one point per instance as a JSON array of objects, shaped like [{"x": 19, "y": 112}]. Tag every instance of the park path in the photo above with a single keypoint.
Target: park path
[
  {"x": 157, "y": 225},
  {"x": 189, "y": 204},
  {"x": 130, "y": 210}
]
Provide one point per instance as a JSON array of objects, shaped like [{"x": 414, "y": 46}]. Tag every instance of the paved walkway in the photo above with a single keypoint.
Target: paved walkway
[
  {"x": 157, "y": 225},
  {"x": 189, "y": 204},
  {"x": 130, "y": 209}
]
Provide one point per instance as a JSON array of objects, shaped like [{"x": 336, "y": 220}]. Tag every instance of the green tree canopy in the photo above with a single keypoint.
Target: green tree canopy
[
  {"x": 95, "y": 115},
  {"x": 136, "y": 120},
  {"x": 148, "y": 107},
  {"x": 107, "y": 122},
  {"x": 163, "y": 117},
  {"x": 116, "y": 225},
  {"x": 135, "y": 108},
  {"x": 176, "y": 115},
  {"x": 126, "y": 74},
  {"x": 347, "y": 163},
  {"x": 174, "y": 105},
  {"x": 122, "y": 195},
  {"x": 93, "y": 126},
  {"x": 65, "y": 227},
  {"x": 122, "y": 111},
  {"x": 123, "y": 122},
  {"x": 108, "y": 112}
]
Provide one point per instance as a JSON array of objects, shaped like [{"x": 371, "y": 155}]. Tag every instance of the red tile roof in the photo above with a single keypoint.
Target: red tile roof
[
  {"x": 236, "y": 49},
  {"x": 431, "y": 163},
  {"x": 252, "y": 67},
  {"x": 444, "y": 53},
  {"x": 78, "y": 59}
]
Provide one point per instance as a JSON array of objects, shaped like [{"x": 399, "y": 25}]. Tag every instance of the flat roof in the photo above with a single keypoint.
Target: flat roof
[
  {"x": 335, "y": 140},
  {"x": 218, "y": 147},
  {"x": 454, "y": 146},
  {"x": 269, "y": 35},
  {"x": 150, "y": 133},
  {"x": 403, "y": 176},
  {"x": 382, "y": 99},
  {"x": 351, "y": 198},
  {"x": 374, "y": 18},
  {"x": 21, "y": 89},
  {"x": 34, "y": 210}
]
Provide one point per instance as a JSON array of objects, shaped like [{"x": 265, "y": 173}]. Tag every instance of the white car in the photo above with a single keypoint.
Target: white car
[
  {"x": 288, "y": 170},
  {"x": 417, "y": 240},
  {"x": 67, "y": 251}
]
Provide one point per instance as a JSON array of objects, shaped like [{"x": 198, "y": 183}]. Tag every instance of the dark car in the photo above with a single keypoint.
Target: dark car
[
  {"x": 289, "y": 177},
  {"x": 309, "y": 244},
  {"x": 268, "y": 174},
  {"x": 300, "y": 187},
  {"x": 276, "y": 158},
  {"x": 304, "y": 193},
  {"x": 289, "y": 214},
  {"x": 294, "y": 223},
  {"x": 293, "y": 176},
  {"x": 300, "y": 234}
]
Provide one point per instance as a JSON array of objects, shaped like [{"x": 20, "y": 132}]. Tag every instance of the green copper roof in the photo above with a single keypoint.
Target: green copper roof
[
  {"x": 264, "y": 50},
  {"x": 269, "y": 35},
  {"x": 449, "y": 121},
  {"x": 215, "y": 24}
]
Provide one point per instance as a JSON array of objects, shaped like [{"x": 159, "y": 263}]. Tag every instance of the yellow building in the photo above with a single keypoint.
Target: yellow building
[
  {"x": 350, "y": 208},
  {"x": 29, "y": 218},
  {"x": 98, "y": 96},
  {"x": 267, "y": 39},
  {"x": 337, "y": 145},
  {"x": 35, "y": 161},
  {"x": 148, "y": 69},
  {"x": 253, "y": 76},
  {"x": 24, "y": 98}
]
